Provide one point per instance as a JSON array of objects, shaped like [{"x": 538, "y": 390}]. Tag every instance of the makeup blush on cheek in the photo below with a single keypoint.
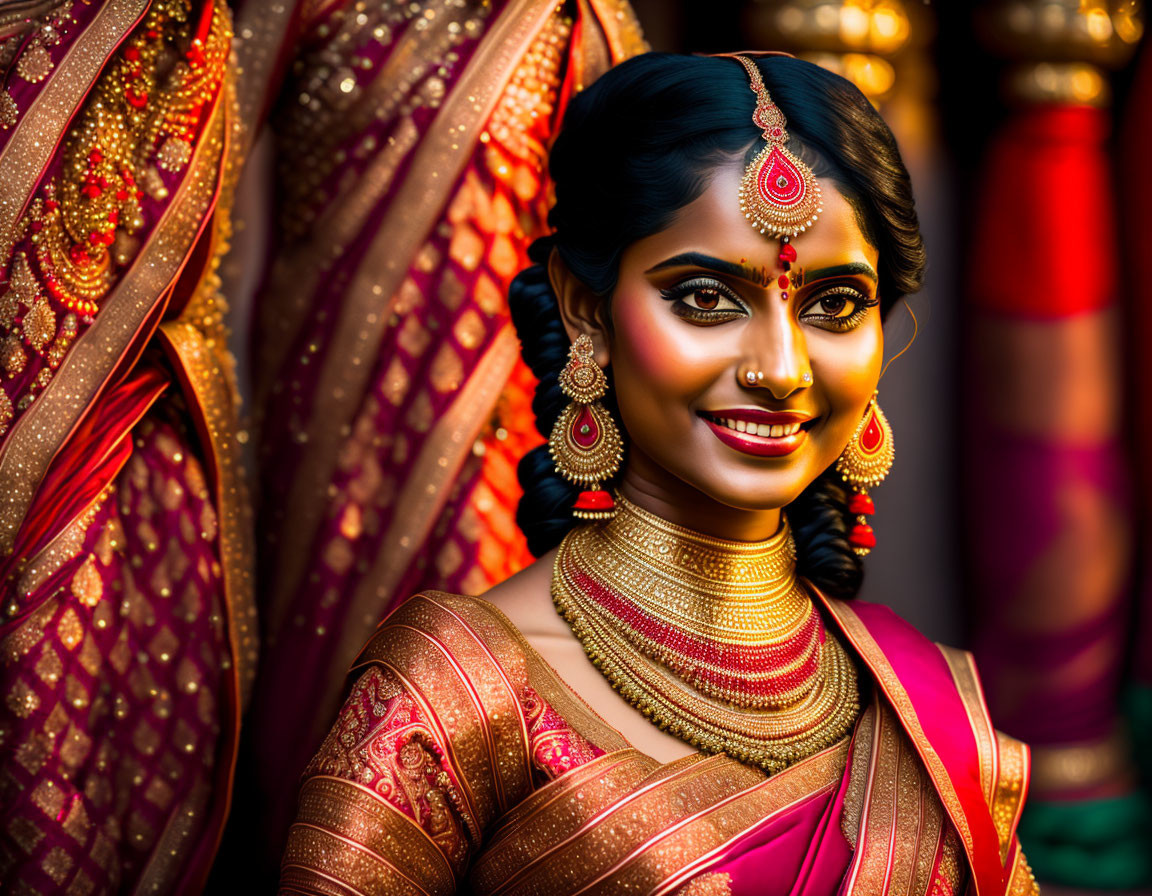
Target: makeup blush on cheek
[{"x": 649, "y": 340}]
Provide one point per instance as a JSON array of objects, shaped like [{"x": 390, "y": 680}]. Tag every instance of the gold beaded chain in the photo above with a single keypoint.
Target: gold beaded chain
[{"x": 612, "y": 578}]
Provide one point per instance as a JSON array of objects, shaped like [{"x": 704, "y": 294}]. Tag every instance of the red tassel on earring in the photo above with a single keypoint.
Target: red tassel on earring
[
  {"x": 593, "y": 504},
  {"x": 862, "y": 538}
]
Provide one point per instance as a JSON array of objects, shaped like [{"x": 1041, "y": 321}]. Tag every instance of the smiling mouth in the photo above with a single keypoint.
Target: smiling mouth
[{"x": 758, "y": 439}]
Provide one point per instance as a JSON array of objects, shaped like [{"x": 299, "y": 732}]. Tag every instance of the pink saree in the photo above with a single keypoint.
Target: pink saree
[{"x": 462, "y": 762}]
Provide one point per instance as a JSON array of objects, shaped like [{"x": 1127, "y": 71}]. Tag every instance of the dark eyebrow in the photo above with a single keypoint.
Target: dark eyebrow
[
  {"x": 841, "y": 270},
  {"x": 759, "y": 276}
]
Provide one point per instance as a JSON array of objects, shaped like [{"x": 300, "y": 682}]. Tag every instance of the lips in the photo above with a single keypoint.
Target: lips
[{"x": 759, "y": 432}]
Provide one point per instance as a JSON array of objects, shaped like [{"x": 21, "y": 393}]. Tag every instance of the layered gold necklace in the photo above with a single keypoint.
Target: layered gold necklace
[{"x": 715, "y": 641}]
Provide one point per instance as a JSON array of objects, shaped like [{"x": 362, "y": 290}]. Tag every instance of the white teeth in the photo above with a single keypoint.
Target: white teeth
[{"x": 761, "y": 429}]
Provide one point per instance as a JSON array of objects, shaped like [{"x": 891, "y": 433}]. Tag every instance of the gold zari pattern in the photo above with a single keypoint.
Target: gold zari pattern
[{"x": 735, "y": 593}]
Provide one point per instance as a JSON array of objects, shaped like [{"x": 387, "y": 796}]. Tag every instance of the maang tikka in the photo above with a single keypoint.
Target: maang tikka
[
  {"x": 585, "y": 444},
  {"x": 778, "y": 192}
]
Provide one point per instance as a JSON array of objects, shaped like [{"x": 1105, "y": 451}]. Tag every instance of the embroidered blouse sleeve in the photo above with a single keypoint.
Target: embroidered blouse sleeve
[{"x": 380, "y": 808}]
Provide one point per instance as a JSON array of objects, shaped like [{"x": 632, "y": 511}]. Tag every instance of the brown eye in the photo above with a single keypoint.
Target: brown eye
[
  {"x": 707, "y": 299},
  {"x": 833, "y": 305}
]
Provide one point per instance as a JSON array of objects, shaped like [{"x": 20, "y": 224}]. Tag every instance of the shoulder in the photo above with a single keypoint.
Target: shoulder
[{"x": 435, "y": 630}]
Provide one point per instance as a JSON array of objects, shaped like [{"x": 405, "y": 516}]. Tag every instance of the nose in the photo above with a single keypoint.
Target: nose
[{"x": 776, "y": 355}]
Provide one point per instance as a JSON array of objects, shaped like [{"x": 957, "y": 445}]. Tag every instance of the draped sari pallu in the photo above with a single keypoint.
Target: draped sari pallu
[
  {"x": 127, "y": 634},
  {"x": 462, "y": 763},
  {"x": 389, "y": 397}
]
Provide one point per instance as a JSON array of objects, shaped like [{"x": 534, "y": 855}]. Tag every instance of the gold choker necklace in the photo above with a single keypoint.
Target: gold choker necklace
[{"x": 714, "y": 640}]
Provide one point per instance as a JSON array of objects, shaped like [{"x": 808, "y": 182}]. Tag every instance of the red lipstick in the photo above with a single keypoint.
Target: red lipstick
[{"x": 755, "y": 421}]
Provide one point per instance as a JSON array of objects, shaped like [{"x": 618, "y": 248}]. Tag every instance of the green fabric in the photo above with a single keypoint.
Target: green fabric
[
  {"x": 1137, "y": 702},
  {"x": 1090, "y": 843}
]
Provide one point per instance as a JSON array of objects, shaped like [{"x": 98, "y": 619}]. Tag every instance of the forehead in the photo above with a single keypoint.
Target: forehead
[{"x": 713, "y": 224}]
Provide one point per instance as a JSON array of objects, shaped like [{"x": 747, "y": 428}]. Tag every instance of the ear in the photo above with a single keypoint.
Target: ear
[{"x": 581, "y": 310}]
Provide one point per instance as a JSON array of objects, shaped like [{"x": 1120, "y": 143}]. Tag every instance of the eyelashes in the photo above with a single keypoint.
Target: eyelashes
[
  {"x": 705, "y": 301},
  {"x": 833, "y": 302}
]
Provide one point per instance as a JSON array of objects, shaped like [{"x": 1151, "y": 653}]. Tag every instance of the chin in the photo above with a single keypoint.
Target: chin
[{"x": 752, "y": 493}]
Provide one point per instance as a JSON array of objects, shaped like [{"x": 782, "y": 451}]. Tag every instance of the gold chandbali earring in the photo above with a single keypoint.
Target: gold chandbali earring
[
  {"x": 863, "y": 464},
  {"x": 585, "y": 444}
]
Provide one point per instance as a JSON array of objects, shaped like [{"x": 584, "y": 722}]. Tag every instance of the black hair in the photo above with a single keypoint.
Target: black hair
[{"x": 640, "y": 144}]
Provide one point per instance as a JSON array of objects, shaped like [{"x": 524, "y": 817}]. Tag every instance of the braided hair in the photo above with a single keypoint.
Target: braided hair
[{"x": 636, "y": 147}]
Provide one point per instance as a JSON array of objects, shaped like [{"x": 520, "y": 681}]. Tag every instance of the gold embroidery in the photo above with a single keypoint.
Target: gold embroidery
[
  {"x": 357, "y": 814},
  {"x": 476, "y": 703},
  {"x": 1023, "y": 881},
  {"x": 866, "y": 646},
  {"x": 858, "y": 776},
  {"x": 34, "y": 439},
  {"x": 34, "y": 140},
  {"x": 1010, "y": 783},
  {"x": 87, "y": 584},
  {"x": 707, "y": 885},
  {"x": 902, "y": 823},
  {"x": 131, "y": 111},
  {"x": 210, "y": 385}
]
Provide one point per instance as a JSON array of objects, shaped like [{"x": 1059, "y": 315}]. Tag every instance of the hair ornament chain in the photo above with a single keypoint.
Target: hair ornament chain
[{"x": 778, "y": 192}]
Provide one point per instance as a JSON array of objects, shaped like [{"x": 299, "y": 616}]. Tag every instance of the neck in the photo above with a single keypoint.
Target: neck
[{"x": 683, "y": 505}]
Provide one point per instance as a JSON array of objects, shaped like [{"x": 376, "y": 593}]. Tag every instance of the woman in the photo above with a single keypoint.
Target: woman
[{"x": 731, "y": 259}]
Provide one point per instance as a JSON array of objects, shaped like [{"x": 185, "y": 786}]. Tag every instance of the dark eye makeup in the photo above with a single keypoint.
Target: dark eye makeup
[
  {"x": 704, "y": 300},
  {"x": 707, "y": 301}
]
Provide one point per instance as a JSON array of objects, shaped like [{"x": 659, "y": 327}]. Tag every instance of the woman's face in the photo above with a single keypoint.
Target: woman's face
[{"x": 696, "y": 308}]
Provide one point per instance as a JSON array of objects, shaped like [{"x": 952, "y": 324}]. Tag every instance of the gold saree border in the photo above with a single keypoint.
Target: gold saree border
[
  {"x": 901, "y": 822},
  {"x": 443, "y": 153},
  {"x": 43, "y": 428},
  {"x": 1014, "y": 768},
  {"x": 1022, "y": 881},
  {"x": 557, "y": 811},
  {"x": 363, "y": 817},
  {"x": 716, "y": 829},
  {"x": 863, "y": 642},
  {"x": 613, "y": 830},
  {"x": 467, "y": 692},
  {"x": 619, "y": 769},
  {"x": 572, "y": 860},
  {"x": 621, "y": 28},
  {"x": 315, "y": 853},
  {"x": 30, "y": 148},
  {"x": 511, "y": 649},
  {"x": 963, "y": 668},
  {"x": 208, "y": 383}
]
